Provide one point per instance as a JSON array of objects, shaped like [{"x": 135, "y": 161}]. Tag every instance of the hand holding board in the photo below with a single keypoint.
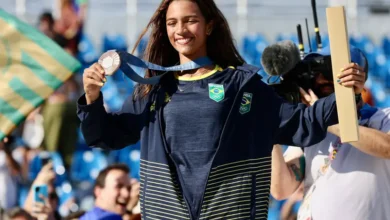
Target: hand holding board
[{"x": 340, "y": 53}]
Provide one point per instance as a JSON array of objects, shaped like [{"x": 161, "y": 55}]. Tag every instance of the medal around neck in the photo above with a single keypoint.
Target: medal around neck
[
  {"x": 110, "y": 61},
  {"x": 133, "y": 67}
]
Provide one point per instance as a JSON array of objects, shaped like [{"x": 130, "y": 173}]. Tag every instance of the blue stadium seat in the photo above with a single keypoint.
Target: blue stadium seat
[
  {"x": 379, "y": 93},
  {"x": 287, "y": 36},
  {"x": 87, "y": 52},
  {"x": 129, "y": 155},
  {"x": 385, "y": 75},
  {"x": 22, "y": 194},
  {"x": 250, "y": 60},
  {"x": 114, "y": 42},
  {"x": 64, "y": 192},
  {"x": 324, "y": 41},
  {"x": 386, "y": 103},
  {"x": 58, "y": 165},
  {"x": 252, "y": 46},
  {"x": 112, "y": 96},
  {"x": 126, "y": 86},
  {"x": 386, "y": 45},
  {"x": 371, "y": 52},
  {"x": 359, "y": 40},
  {"x": 369, "y": 82},
  {"x": 259, "y": 46},
  {"x": 86, "y": 165},
  {"x": 381, "y": 66},
  {"x": 142, "y": 46}
]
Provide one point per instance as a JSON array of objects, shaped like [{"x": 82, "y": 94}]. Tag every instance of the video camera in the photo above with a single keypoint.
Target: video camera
[
  {"x": 296, "y": 69},
  {"x": 303, "y": 75}
]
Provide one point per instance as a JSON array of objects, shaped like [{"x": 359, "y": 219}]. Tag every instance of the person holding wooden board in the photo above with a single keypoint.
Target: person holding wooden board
[{"x": 341, "y": 180}]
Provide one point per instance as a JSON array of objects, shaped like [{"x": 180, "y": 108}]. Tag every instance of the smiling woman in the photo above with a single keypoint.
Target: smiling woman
[
  {"x": 206, "y": 134},
  {"x": 186, "y": 30}
]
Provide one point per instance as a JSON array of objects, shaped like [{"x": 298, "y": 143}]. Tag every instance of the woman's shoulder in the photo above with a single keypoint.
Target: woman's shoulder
[
  {"x": 248, "y": 68},
  {"x": 245, "y": 72},
  {"x": 244, "y": 68}
]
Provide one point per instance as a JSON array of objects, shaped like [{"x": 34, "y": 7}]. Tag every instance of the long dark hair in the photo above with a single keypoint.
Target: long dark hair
[{"x": 220, "y": 45}]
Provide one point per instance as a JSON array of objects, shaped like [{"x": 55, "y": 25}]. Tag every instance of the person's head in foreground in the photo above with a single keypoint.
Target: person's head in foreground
[
  {"x": 112, "y": 189},
  {"x": 18, "y": 214},
  {"x": 324, "y": 86}
]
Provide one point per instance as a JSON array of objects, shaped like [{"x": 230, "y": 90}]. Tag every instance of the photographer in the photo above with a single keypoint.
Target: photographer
[
  {"x": 342, "y": 181},
  {"x": 9, "y": 173}
]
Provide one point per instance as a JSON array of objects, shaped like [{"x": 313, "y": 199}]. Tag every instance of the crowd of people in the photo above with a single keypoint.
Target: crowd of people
[
  {"x": 181, "y": 147},
  {"x": 53, "y": 127}
]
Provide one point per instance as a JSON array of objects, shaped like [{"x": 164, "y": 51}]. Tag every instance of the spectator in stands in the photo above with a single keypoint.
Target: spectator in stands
[
  {"x": 131, "y": 216},
  {"x": 46, "y": 26},
  {"x": 75, "y": 215},
  {"x": 81, "y": 8},
  {"x": 112, "y": 193},
  {"x": 289, "y": 210},
  {"x": 49, "y": 209},
  {"x": 60, "y": 124},
  {"x": 367, "y": 97},
  {"x": 132, "y": 208},
  {"x": 10, "y": 172},
  {"x": 18, "y": 214},
  {"x": 192, "y": 122},
  {"x": 70, "y": 23},
  {"x": 342, "y": 180},
  {"x": 44, "y": 211}
]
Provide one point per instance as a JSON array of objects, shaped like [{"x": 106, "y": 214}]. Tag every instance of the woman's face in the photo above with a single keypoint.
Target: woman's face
[{"x": 187, "y": 29}]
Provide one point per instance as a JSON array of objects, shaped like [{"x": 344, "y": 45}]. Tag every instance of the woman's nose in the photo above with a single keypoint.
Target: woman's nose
[{"x": 181, "y": 28}]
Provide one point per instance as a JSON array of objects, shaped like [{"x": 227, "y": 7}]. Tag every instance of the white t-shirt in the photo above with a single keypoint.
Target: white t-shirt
[
  {"x": 356, "y": 186},
  {"x": 8, "y": 185}
]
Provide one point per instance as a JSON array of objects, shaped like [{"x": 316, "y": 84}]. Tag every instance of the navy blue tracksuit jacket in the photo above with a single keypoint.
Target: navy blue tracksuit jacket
[{"x": 238, "y": 182}]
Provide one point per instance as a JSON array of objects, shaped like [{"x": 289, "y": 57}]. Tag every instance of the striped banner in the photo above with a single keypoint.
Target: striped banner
[{"x": 32, "y": 67}]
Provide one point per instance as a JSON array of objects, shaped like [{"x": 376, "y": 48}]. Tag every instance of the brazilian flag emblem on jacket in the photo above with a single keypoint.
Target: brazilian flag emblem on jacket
[
  {"x": 216, "y": 92},
  {"x": 246, "y": 103}
]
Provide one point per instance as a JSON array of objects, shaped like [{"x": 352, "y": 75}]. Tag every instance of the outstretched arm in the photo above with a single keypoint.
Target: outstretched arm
[
  {"x": 287, "y": 171},
  {"x": 301, "y": 126},
  {"x": 371, "y": 141}
]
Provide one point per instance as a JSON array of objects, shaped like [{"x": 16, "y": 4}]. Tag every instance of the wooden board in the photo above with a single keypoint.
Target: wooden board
[{"x": 340, "y": 53}]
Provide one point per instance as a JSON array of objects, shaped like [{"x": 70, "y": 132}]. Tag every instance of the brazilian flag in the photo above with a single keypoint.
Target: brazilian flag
[{"x": 32, "y": 67}]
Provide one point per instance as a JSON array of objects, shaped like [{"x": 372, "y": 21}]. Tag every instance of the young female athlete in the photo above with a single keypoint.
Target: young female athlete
[{"x": 207, "y": 134}]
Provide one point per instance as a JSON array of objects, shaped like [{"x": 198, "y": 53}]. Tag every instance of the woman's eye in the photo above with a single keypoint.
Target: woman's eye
[
  {"x": 192, "y": 21},
  {"x": 171, "y": 23}
]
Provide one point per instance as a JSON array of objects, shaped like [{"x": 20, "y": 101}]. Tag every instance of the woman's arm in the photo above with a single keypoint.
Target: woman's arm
[
  {"x": 304, "y": 126},
  {"x": 110, "y": 131}
]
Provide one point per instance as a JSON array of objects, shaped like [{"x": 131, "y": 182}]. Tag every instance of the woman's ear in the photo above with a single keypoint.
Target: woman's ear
[{"x": 209, "y": 27}]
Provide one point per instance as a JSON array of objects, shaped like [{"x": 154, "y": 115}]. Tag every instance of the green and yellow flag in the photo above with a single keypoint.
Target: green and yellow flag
[{"x": 32, "y": 67}]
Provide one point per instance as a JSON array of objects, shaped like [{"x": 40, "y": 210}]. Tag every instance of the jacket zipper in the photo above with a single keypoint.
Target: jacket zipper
[
  {"x": 166, "y": 150},
  {"x": 219, "y": 144},
  {"x": 220, "y": 140}
]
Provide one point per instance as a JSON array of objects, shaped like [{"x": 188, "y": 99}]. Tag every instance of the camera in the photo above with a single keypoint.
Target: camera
[{"x": 303, "y": 75}]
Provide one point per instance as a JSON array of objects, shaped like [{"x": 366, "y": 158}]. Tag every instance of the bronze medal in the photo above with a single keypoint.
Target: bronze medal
[{"x": 110, "y": 61}]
